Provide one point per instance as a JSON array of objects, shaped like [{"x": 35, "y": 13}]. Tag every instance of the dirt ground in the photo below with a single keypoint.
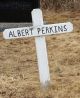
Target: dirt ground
[{"x": 19, "y": 76}]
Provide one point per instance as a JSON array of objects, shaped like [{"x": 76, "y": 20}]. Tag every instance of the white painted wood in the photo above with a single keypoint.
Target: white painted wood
[
  {"x": 38, "y": 30},
  {"x": 41, "y": 49}
]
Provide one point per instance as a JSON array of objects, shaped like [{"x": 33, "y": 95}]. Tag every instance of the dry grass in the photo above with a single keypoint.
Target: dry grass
[
  {"x": 61, "y": 5},
  {"x": 18, "y": 63}
]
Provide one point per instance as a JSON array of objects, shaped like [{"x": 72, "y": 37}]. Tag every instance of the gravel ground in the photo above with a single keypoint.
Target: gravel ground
[{"x": 13, "y": 25}]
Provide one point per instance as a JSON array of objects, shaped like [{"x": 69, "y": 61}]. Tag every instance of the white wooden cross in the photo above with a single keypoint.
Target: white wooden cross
[{"x": 39, "y": 30}]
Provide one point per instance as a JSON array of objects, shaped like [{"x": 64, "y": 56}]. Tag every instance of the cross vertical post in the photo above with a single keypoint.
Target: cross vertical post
[{"x": 41, "y": 49}]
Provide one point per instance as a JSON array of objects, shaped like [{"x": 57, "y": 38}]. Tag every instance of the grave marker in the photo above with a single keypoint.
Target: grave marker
[{"x": 38, "y": 30}]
